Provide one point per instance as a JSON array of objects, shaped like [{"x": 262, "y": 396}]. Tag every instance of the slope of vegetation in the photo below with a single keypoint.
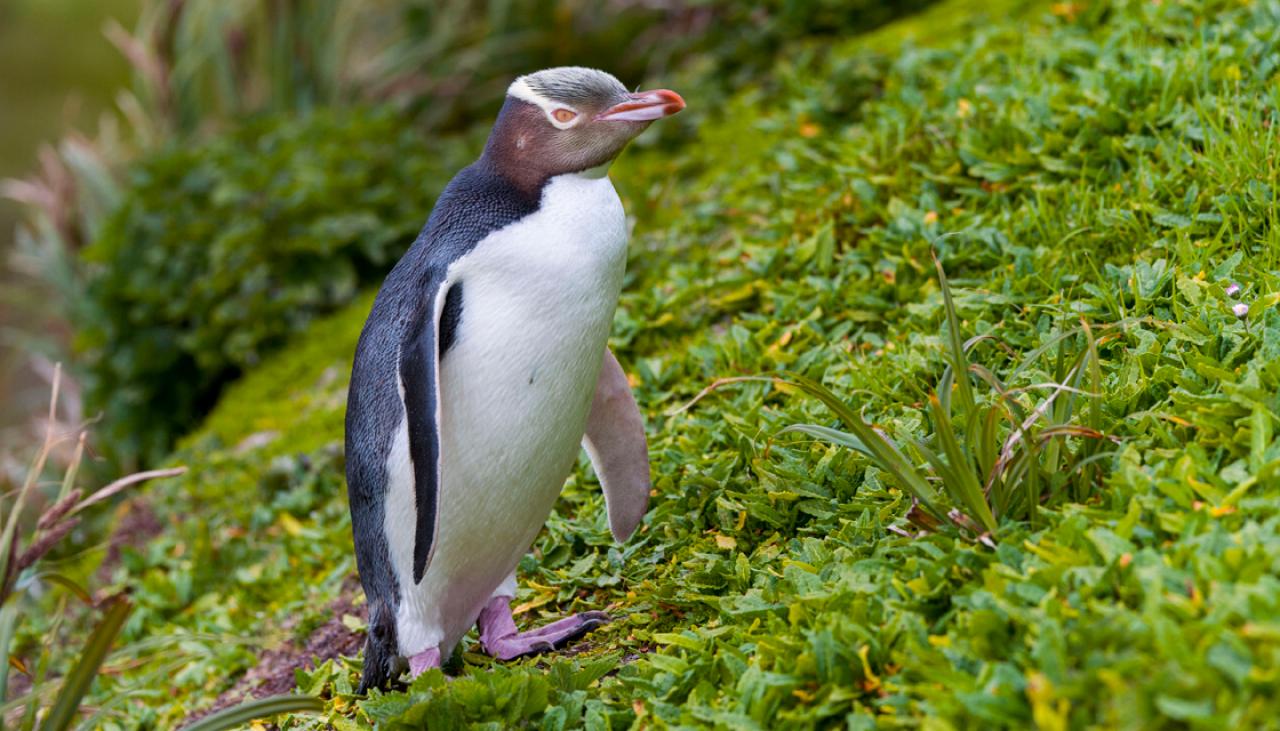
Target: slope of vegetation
[
  {"x": 272, "y": 158},
  {"x": 1107, "y": 169}
]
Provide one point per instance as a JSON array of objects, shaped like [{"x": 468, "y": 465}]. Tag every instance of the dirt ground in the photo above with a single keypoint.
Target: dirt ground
[{"x": 273, "y": 675}]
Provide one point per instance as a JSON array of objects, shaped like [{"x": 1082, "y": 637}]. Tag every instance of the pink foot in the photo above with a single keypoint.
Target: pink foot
[
  {"x": 424, "y": 661},
  {"x": 500, "y": 639}
]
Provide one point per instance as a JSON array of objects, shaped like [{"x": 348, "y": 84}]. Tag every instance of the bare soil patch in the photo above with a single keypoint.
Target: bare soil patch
[{"x": 273, "y": 675}]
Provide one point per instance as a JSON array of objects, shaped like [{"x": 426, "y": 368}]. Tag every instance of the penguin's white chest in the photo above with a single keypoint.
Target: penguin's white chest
[{"x": 537, "y": 302}]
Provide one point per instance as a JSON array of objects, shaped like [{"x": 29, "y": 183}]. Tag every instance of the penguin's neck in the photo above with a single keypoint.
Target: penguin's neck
[
  {"x": 514, "y": 153},
  {"x": 525, "y": 183},
  {"x": 508, "y": 151},
  {"x": 597, "y": 172}
]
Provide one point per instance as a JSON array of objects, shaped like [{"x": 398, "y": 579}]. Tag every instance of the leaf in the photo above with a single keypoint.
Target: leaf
[
  {"x": 1184, "y": 709},
  {"x": 9, "y": 538},
  {"x": 8, "y": 624},
  {"x": 235, "y": 716},
  {"x": 1263, "y": 303},
  {"x": 834, "y": 436},
  {"x": 678, "y": 639},
  {"x": 126, "y": 481},
  {"x": 955, "y": 353},
  {"x": 964, "y": 483},
  {"x": 1171, "y": 220},
  {"x": 67, "y": 703},
  {"x": 1259, "y": 437},
  {"x": 79, "y": 592},
  {"x": 884, "y": 452}
]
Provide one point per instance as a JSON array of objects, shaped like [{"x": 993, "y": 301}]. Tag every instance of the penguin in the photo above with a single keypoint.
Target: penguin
[{"x": 484, "y": 367}]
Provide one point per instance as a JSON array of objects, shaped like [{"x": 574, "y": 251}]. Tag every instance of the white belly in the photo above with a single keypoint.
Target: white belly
[{"x": 537, "y": 302}]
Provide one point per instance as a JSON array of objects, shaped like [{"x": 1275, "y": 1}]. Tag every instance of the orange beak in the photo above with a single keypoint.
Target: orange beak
[{"x": 644, "y": 106}]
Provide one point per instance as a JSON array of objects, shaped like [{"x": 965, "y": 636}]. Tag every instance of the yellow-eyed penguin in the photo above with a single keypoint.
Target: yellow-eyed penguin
[{"x": 482, "y": 367}]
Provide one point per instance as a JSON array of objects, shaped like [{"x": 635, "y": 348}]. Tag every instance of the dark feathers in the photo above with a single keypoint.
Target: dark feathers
[
  {"x": 420, "y": 377},
  {"x": 381, "y": 655}
]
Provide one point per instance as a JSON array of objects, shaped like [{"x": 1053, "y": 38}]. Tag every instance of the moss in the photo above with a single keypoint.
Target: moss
[{"x": 295, "y": 401}]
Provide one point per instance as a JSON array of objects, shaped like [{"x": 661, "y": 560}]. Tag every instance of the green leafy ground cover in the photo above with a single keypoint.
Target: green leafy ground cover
[{"x": 1114, "y": 164}]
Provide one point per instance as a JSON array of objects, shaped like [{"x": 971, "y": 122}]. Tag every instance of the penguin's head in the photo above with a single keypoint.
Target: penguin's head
[{"x": 571, "y": 119}]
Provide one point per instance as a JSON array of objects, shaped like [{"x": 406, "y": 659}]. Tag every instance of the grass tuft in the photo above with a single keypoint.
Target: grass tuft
[{"x": 999, "y": 455}]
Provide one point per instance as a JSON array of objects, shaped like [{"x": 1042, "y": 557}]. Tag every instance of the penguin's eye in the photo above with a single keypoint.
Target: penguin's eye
[{"x": 564, "y": 116}]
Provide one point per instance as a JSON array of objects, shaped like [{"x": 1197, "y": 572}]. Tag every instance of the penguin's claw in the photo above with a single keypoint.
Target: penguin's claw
[
  {"x": 424, "y": 661},
  {"x": 598, "y": 617},
  {"x": 578, "y": 624},
  {"x": 499, "y": 638}
]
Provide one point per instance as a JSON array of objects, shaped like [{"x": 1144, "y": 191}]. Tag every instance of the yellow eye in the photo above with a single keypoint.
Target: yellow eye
[{"x": 564, "y": 116}]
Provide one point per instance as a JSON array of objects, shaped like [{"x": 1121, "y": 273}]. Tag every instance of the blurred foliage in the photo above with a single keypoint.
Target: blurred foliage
[
  {"x": 43, "y": 95},
  {"x": 215, "y": 251},
  {"x": 202, "y": 62},
  {"x": 221, "y": 250},
  {"x": 1115, "y": 163},
  {"x": 54, "y": 91},
  {"x": 489, "y": 43},
  {"x": 38, "y": 522}
]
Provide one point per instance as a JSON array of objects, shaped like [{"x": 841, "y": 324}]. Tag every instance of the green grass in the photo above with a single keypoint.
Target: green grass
[{"x": 1114, "y": 165}]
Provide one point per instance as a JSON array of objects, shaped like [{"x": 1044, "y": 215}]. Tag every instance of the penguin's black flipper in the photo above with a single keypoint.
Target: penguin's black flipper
[
  {"x": 426, "y": 339},
  {"x": 615, "y": 442}
]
